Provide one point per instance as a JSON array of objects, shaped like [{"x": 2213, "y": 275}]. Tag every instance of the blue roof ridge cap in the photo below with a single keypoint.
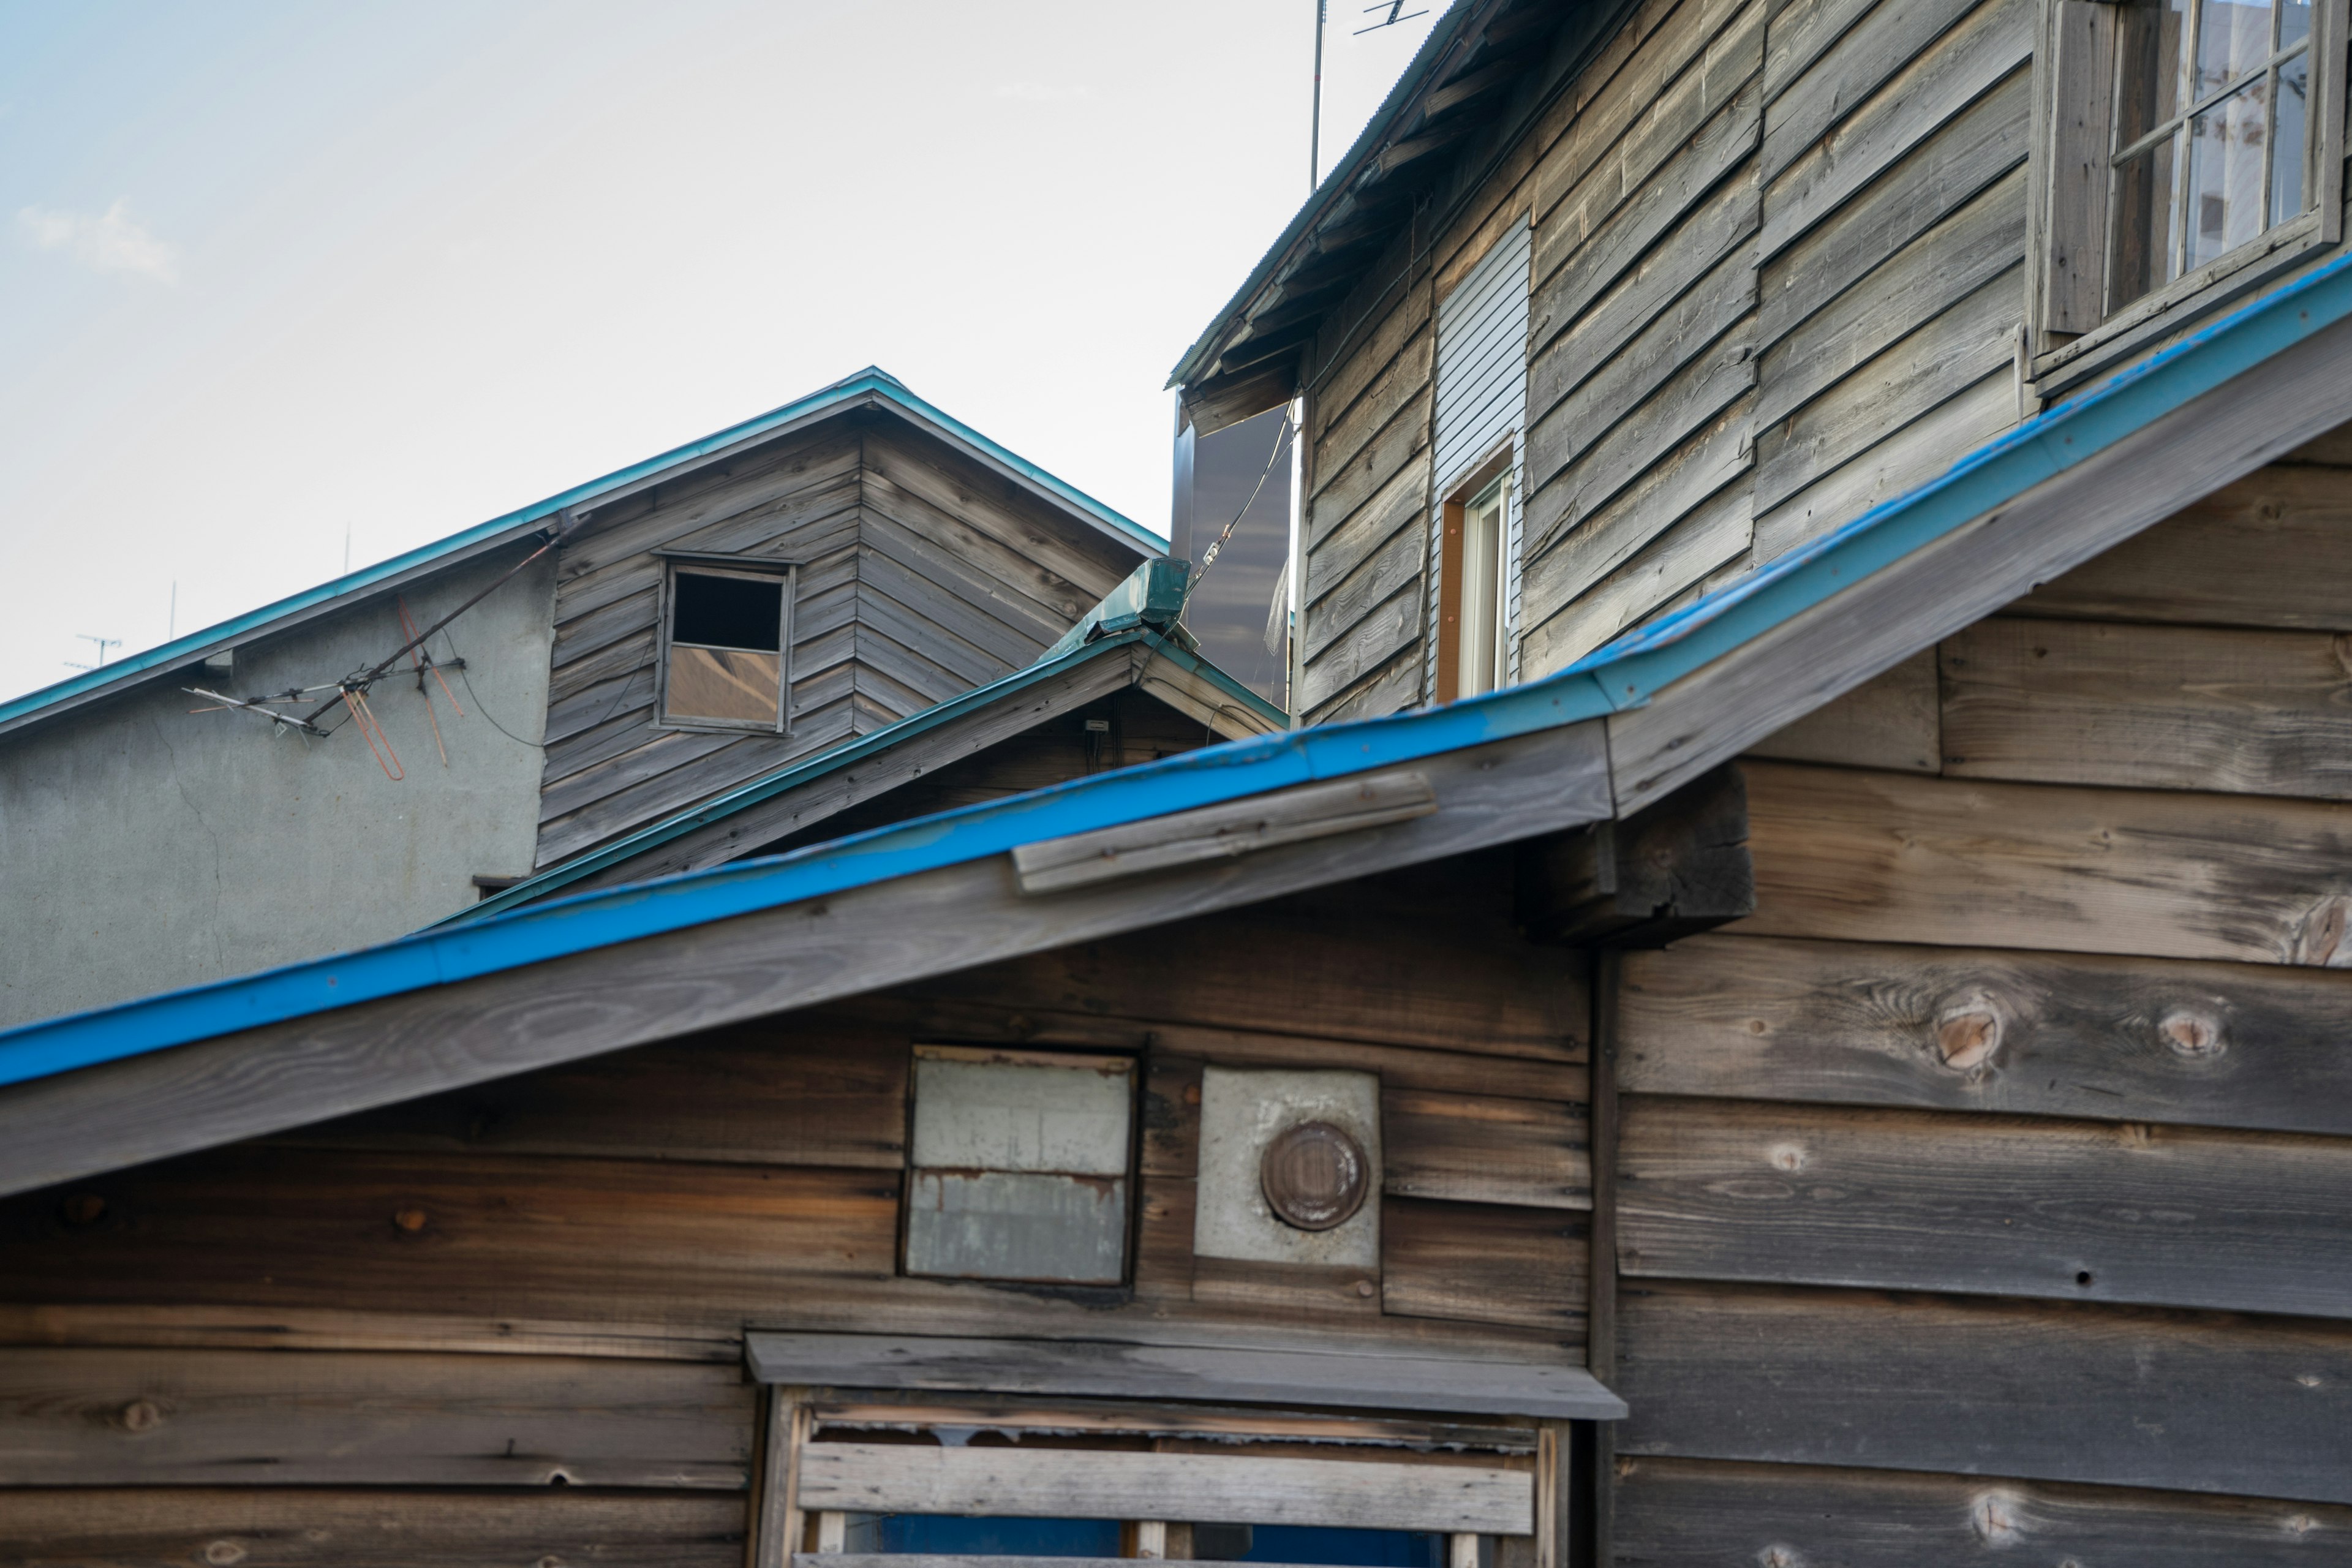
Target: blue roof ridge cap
[{"x": 870, "y": 383}]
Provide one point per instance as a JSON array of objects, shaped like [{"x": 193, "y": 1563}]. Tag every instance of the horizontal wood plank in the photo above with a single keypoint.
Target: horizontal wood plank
[
  {"x": 170, "y": 1418},
  {"x": 1477, "y": 1149},
  {"x": 250, "y": 1527},
  {"x": 1893, "y": 721},
  {"x": 869, "y": 1478},
  {"x": 1983, "y": 1204},
  {"x": 2198, "y": 708},
  {"x": 2114, "y": 1038},
  {"x": 1486, "y": 1263},
  {"x": 1870, "y": 857},
  {"x": 1697, "y": 1513},
  {"x": 2112, "y": 1395}
]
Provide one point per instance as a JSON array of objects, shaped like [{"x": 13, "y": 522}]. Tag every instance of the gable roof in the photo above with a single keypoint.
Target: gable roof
[
  {"x": 1606, "y": 735},
  {"x": 870, "y": 387},
  {"x": 1135, "y": 625}
]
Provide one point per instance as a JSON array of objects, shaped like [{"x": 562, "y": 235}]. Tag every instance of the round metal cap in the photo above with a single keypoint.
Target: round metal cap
[{"x": 1314, "y": 1175}]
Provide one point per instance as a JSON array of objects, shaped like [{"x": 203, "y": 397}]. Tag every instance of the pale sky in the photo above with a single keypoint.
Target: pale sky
[{"x": 275, "y": 274}]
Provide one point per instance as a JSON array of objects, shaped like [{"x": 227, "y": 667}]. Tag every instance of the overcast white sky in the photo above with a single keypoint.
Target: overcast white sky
[{"x": 270, "y": 271}]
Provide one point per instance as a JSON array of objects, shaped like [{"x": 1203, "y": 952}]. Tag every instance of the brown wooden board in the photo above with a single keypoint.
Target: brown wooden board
[
  {"x": 1475, "y": 1149},
  {"x": 1927, "y": 1200},
  {"x": 201, "y": 1327},
  {"x": 2247, "y": 712},
  {"x": 171, "y": 1417},
  {"x": 2122, "y": 1396},
  {"x": 244, "y": 1527},
  {"x": 538, "y": 1237},
  {"x": 793, "y": 1091},
  {"x": 1894, "y": 857},
  {"x": 2117, "y": 1038},
  {"x": 1485, "y": 1263},
  {"x": 2266, "y": 551},
  {"x": 1699, "y": 1513},
  {"x": 1892, "y": 720}
]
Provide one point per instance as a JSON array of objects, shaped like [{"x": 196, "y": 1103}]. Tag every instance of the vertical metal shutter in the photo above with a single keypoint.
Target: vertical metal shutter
[{"x": 1482, "y": 399}]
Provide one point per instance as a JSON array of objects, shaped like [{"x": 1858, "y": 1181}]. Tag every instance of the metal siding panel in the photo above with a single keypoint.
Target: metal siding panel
[
  {"x": 1016, "y": 1224},
  {"x": 1481, "y": 392}
]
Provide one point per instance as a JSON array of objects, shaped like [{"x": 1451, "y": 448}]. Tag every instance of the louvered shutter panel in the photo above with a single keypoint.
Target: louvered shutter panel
[{"x": 1482, "y": 399}]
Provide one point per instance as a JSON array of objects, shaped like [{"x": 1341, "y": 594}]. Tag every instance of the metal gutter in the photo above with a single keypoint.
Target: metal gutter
[
  {"x": 1622, "y": 675},
  {"x": 868, "y": 385}
]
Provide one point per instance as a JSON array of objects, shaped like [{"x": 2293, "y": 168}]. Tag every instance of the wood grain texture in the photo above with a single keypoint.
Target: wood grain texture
[
  {"x": 1477, "y": 1149},
  {"x": 197, "y": 1327},
  {"x": 790, "y": 1092},
  {"x": 1967, "y": 574},
  {"x": 1712, "y": 536},
  {"x": 2123, "y": 1039},
  {"x": 314, "y": 1528},
  {"x": 1893, "y": 721},
  {"x": 161, "y": 1418},
  {"x": 687, "y": 1245},
  {"x": 1686, "y": 1513},
  {"x": 1880, "y": 42},
  {"x": 658, "y": 987},
  {"x": 1486, "y": 1263},
  {"x": 1093, "y": 1484},
  {"x": 2198, "y": 708},
  {"x": 2265, "y": 551},
  {"x": 1894, "y": 857},
  {"x": 2111, "y": 1395},
  {"x": 1985, "y": 1205}
]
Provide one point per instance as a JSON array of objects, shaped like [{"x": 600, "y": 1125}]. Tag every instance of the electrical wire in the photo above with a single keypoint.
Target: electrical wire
[{"x": 465, "y": 678}]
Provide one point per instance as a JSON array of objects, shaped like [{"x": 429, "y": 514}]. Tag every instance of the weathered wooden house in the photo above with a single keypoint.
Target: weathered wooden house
[
  {"x": 1848, "y": 1071},
  {"x": 583, "y": 668}
]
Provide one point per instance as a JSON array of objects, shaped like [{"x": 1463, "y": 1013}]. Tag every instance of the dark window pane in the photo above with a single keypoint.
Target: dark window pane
[
  {"x": 2287, "y": 135},
  {"x": 728, "y": 612},
  {"x": 949, "y": 1535},
  {"x": 2149, "y": 37},
  {"x": 2141, "y": 258},
  {"x": 1355, "y": 1548}
]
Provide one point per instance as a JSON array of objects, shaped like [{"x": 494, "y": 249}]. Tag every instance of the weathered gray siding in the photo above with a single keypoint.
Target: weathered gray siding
[
  {"x": 144, "y": 847},
  {"x": 921, "y": 576}
]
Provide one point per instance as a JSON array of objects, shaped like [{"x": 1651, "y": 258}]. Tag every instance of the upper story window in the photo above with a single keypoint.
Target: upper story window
[
  {"x": 726, "y": 642},
  {"x": 1473, "y": 654},
  {"x": 2191, "y": 140}
]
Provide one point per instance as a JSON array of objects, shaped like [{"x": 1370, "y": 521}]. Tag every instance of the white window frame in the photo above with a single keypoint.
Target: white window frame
[
  {"x": 787, "y": 572},
  {"x": 2067, "y": 153},
  {"x": 1442, "y": 676}
]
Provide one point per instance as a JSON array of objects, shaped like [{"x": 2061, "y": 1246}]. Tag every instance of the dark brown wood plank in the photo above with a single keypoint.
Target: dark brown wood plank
[
  {"x": 2246, "y": 712},
  {"x": 170, "y": 1418},
  {"x": 1671, "y": 869},
  {"x": 2266, "y": 551},
  {"x": 252, "y": 1528},
  {"x": 1486, "y": 1264},
  {"x": 1926, "y": 1200},
  {"x": 537, "y": 1238},
  {"x": 1893, "y": 721},
  {"x": 2121, "y": 1038},
  {"x": 201, "y": 1327},
  {"x": 1477, "y": 1149},
  {"x": 791, "y": 1092},
  {"x": 1870, "y": 857},
  {"x": 2040, "y": 1392},
  {"x": 1698, "y": 1513}
]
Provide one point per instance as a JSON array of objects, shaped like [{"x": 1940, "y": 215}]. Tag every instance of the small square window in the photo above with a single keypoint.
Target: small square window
[
  {"x": 2189, "y": 142},
  {"x": 726, "y": 647}
]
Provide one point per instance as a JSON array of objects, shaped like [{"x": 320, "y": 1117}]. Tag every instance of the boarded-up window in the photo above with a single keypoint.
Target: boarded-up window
[
  {"x": 726, "y": 646},
  {"x": 1482, "y": 397},
  {"x": 1019, "y": 1166}
]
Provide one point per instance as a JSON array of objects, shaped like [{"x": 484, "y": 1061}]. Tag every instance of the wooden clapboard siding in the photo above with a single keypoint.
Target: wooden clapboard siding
[
  {"x": 1984, "y": 1204},
  {"x": 922, "y": 576},
  {"x": 159, "y": 1417},
  {"x": 2256, "y": 1407},
  {"x": 2196, "y": 708},
  {"x": 318, "y": 1528},
  {"x": 1887, "y": 857},
  {"x": 1481, "y": 1148},
  {"x": 1714, "y": 538},
  {"x": 2067, "y": 1035},
  {"x": 1486, "y": 1263},
  {"x": 1698, "y": 1513},
  {"x": 1893, "y": 721}
]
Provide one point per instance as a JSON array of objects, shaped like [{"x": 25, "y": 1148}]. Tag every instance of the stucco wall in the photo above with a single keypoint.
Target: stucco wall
[{"x": 144, "y": 847}]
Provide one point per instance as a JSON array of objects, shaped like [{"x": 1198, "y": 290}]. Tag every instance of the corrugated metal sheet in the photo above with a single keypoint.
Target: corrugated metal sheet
[{"x": 1482, "y": 400}]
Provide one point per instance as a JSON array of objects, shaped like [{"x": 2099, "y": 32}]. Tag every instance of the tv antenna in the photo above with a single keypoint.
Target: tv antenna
[
  {"x": 103, "y": 644},
  {"x": 1392, "y": 8}
]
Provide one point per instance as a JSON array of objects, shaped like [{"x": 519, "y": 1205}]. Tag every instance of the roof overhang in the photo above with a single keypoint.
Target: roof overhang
[
  {"x": 1613, "y": 732},
  {"x": 870, "y": 388}
]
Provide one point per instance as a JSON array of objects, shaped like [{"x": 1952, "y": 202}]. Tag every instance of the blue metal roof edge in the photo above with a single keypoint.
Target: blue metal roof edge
[
  {"x": 1620, "y": 675},
  {"x": 533, "y": 889},
  {"x": 870, "y": 382}
]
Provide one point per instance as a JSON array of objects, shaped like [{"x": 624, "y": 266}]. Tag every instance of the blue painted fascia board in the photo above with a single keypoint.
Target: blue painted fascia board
[
  {"x": 866, "y": 384},
  {"x": 1622, "y": 675}
]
